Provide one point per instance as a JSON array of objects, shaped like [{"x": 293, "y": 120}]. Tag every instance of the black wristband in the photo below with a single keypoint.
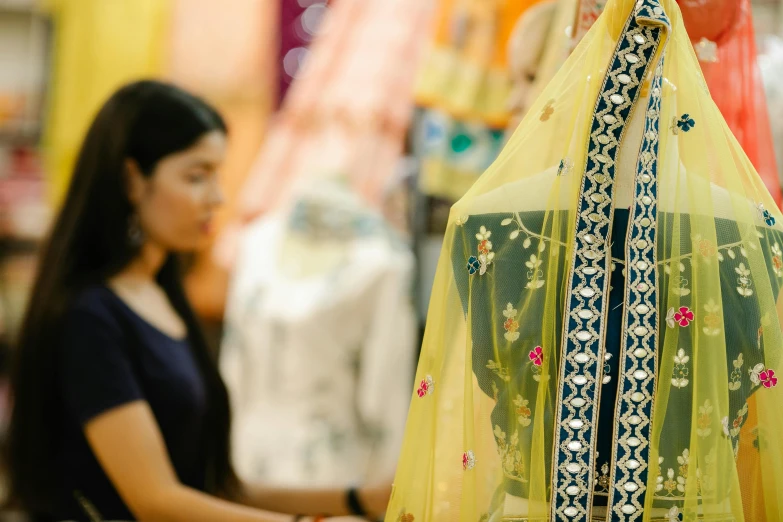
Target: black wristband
[{"x": 354, "y": 504}]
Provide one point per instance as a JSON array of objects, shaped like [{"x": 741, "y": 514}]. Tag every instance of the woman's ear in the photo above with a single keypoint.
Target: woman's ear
[{"x": 135, "y": 181}]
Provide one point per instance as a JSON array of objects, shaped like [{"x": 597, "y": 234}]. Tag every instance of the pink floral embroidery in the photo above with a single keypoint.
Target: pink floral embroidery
[
  {"x": 768, "y": 378},
  {"x": 468, "y": 460},
  {"x": 425, "y": 387},
  {"x": 537, "y": 356},
  {"x": 684, "y": 316}
]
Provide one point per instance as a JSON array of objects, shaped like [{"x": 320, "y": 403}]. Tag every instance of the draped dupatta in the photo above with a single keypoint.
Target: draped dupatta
[{"x": 603, "y": 335}]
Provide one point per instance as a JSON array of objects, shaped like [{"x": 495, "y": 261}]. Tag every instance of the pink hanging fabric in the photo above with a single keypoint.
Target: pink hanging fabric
[
  {"x": 723, "y": 36},
  {"x": 347, "y": 112},
  {"x": 298, "y": 24}
]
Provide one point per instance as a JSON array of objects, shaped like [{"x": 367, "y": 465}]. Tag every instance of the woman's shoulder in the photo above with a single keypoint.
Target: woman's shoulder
[{"x": 93, "y": 304}]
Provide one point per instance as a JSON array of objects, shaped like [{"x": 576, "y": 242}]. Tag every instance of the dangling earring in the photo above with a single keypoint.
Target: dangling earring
[{"x": 135, "y": 233}]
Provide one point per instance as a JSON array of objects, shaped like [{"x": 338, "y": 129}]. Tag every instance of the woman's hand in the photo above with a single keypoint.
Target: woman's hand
[
  {"x": 375, "y": 499},
  {"x": 332, "y": 519},
  {"x": 131, "y": 450}
]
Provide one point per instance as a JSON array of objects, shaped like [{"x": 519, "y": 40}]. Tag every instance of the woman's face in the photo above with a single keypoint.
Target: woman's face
[{"x": 176, "y": 205}]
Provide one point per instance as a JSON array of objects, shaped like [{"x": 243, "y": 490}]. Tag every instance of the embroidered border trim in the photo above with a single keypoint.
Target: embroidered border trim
[
  {"x": 581, "y": 361},
  {"x": 651, "y": 12},
  {"x": 600, "y": 518},
  {"x": 638, "y": 360}
]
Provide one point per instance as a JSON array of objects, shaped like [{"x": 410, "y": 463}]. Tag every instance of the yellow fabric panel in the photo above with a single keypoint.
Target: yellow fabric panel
[
  {"x": 98, "y": 46},
  {"x": 504, "y": 417}
]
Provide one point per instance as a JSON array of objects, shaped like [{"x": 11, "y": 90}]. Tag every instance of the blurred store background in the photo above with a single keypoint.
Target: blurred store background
[{"x": 354, "y": 124}]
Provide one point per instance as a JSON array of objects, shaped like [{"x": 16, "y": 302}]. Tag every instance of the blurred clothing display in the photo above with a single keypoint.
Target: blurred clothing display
[
  {"x": 465, "y": 69},
  {"x": 543, "y": 40},
  {"x": 24, "y": 214},
  {"x": 98, "y": 46},
  {"x": 587, "y": 12},
  {"x": 222, "y": 52},
  {"x": 348, "y": 111},
  {"x": 320, "y": 331},
  {"x": 319, "y": 347},
  {"x": 526, "y": 51},
  {"x": 463, "y": 90},
  {"x": 25, "y": 34},
  {"x": 722, "y": 35},
  {"x": 568, "y": 24},
  {"x": 557, "y": 46},
  {"x": 227, "y": 56},
  {"x": 299, "y": 21},
  {"x": 771, "y": 67}
]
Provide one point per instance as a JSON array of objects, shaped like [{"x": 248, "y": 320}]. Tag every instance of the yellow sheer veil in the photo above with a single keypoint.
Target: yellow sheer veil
[{"x": 504, "y": 419}]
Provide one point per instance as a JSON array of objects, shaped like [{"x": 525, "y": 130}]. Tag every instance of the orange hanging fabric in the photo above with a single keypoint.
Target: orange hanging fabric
[{"x": 723, "y": 36}]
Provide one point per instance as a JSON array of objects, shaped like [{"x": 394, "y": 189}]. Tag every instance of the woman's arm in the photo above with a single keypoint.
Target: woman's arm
[
  {"x": 314, "y": 501},
  {"x": 128, "y": 444}
]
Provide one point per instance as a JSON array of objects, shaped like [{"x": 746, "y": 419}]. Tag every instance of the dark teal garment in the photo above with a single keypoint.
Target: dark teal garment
[{"x": 473, "y": 290}]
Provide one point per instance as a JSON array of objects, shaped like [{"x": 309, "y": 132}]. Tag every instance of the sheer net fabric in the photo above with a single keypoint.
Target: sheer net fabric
[{"x": 604, "y": 334}]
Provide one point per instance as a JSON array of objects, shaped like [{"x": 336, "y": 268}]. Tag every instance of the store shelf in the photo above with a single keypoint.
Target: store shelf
[
  {"x": 20, "y": 137},
  {"x": 25, "y": 34},
  {"x": 19, "y": 6}
]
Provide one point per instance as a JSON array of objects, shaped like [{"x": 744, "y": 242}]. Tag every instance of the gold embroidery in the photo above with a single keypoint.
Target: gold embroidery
[
  {"x": 510, "y": 456},
  {"x": 511, "y": 325},
  {"x": 547, "y": 111},
  {"x": 736, "y": 374},
  {"x": 499, "y": 370},
  {"x": 705, "y": 420},
  {"x": 523, "y": 412},
  {"x": 680, "y": 372}
]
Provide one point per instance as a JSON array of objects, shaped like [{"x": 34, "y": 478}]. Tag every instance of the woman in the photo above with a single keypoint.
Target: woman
[
  {"x": 604, "y": 334},
  {"x": 119, "y": 410}
]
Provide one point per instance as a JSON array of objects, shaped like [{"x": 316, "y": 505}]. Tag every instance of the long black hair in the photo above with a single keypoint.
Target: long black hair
[{"x": 144, "y": 121}]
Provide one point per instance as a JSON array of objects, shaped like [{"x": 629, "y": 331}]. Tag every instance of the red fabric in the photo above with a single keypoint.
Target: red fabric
[
  {"x": 588, "y": 12},
  {"x": 710, "y": 19},
  {"x": 734, "y": 79}
]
